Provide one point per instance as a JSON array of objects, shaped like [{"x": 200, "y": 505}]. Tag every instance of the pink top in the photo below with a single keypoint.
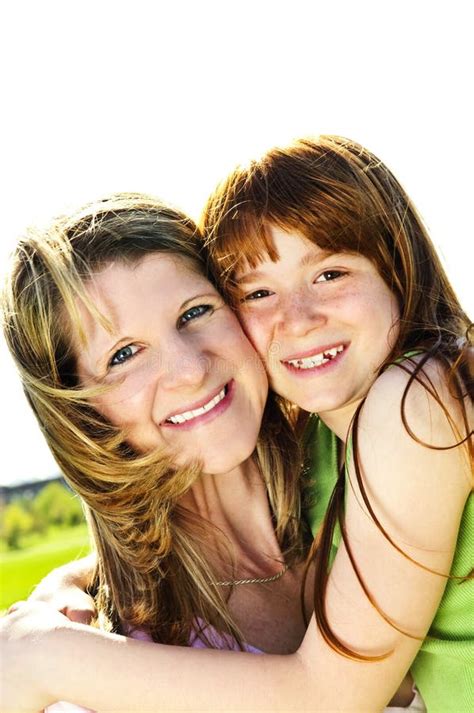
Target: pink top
[{"x": 218, "y": 640}]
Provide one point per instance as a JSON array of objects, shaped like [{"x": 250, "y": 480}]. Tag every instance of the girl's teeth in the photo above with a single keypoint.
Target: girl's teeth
[
  {"x": 189, "y": 415},
  {"x": 316, "y": 359}
]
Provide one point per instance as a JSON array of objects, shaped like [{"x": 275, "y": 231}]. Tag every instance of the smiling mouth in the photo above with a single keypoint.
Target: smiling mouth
[
  {"x": 315, "y": 359},
  {"x": 195, "y": 413}
]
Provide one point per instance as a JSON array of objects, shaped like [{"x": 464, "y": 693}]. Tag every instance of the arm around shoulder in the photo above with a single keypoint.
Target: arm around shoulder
[
  {"x": 65, "y": 589},
  {"x": 417, "y": 494}
]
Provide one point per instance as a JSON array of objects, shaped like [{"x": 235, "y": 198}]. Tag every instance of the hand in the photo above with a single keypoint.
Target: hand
[
  {"x": 70, "y": 600},
  {"x": 25, "y": 644},
  {"x": 63, "y": 589}
]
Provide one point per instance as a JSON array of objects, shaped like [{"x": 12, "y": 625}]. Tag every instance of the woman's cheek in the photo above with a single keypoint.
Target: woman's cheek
[{"x": 127, "y": 395}]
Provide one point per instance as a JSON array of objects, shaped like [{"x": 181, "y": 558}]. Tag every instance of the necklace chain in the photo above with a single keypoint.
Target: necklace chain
[{"x": 256, "y": 580}]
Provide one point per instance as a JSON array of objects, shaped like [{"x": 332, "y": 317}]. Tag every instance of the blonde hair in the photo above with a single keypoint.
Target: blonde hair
[
  {"x": 151, "y": 572},
  {"x": 337, "y": 194}
]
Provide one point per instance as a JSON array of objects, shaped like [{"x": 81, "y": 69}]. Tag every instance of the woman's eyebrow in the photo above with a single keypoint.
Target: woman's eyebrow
[
  {"x": 106, "y": 352},
  {"x": 100, "y": 356},
  {"x": 199, "y": 296}
]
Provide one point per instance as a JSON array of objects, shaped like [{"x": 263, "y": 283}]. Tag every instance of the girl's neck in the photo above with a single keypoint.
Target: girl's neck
[{"x": 339, "y": 420}]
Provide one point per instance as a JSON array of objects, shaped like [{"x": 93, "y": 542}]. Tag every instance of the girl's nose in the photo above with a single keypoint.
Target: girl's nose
[{"x": 300, "y": 313}]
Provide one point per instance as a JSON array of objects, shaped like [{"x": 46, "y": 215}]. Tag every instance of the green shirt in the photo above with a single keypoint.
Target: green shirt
[{"x": 443, "y": 669}]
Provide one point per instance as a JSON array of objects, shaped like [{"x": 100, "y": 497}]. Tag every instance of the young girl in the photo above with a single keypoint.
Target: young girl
[
  {"x": 349, "y": 341},
  {"x": 342, "y": 294}
]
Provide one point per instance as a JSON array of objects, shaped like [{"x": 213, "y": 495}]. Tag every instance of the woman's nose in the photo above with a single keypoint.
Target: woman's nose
[{"x": 183, "y": 365}]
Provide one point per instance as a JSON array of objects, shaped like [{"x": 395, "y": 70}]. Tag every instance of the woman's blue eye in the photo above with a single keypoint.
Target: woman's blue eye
[
  {"x": 193, "y": 313},
  {"x": 123, "y": 355},
  {"x": 257, "y": 295},
  {"x": 329, "y": 275}
]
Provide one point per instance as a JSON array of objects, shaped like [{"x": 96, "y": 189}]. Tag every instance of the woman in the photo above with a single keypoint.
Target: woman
[
  {"x": 133, "y": 422},
  {"x": 308, "y": 678}
]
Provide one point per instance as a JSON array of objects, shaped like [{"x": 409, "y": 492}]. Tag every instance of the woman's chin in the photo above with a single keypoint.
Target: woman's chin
[{"x": 227, "y": 459}]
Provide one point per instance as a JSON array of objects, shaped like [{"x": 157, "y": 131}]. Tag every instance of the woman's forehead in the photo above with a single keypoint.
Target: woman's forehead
[
  {"x": 114, "y": 289},
  {"x": 150, "y": 268}
]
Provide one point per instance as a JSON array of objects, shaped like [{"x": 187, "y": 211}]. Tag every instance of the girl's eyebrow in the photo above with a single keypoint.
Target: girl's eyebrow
[
  {"x": 312, "y": 257},
  {"x": 250, "y": 276}
]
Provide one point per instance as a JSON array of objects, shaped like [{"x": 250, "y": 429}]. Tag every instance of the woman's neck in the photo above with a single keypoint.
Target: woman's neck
[{"x": 237, "y": 504}]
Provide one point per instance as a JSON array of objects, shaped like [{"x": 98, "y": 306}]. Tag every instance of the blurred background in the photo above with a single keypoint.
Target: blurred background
[{"x": 165, "y": 97}]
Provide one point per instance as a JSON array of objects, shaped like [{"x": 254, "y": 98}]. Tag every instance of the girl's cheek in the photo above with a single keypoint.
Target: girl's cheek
[{"x": 256, "y": 325}]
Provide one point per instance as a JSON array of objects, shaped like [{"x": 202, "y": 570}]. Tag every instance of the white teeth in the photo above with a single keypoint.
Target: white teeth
[
  {"x": 189, "y": 415},
  {"x": 316, "y": 359}
]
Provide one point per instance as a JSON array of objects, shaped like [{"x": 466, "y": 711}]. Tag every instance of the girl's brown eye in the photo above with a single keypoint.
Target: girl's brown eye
[
  {"x": 329, "y": 275},
  {"x": 257, "y": 295}
]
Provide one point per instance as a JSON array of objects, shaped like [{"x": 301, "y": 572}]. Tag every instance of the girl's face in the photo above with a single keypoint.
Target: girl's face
[
  {"x": 184, "y": 376},
  {"x": 323, "y": 324}
]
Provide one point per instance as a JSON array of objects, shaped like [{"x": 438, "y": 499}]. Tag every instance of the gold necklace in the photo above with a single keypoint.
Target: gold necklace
[{"x": 257, "y": 580}]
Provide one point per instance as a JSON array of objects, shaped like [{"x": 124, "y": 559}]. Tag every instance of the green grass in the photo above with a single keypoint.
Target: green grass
[{"x": 21, "y": 570}]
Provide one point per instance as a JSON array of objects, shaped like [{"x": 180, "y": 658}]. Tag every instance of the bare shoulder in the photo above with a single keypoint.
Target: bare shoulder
[
  {"x": 403, "y": 511},
  {"x": 423, "y": 405},
  {"x": 417, "y": 476}
]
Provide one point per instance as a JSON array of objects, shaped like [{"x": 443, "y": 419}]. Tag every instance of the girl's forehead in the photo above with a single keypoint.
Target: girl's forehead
[{"x": 289, "y": 249}]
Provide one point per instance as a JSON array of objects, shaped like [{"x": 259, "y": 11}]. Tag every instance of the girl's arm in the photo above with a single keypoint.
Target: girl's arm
[{"x": 419, "y": 495}]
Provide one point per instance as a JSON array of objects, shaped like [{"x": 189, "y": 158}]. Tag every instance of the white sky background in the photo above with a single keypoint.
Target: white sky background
[{"x": 165, "y": 97}]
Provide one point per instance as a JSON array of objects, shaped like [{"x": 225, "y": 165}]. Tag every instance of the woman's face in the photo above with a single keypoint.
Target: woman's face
[
  {"x": 323, "y": 323},
  {"x": 184, "y": 375}
]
